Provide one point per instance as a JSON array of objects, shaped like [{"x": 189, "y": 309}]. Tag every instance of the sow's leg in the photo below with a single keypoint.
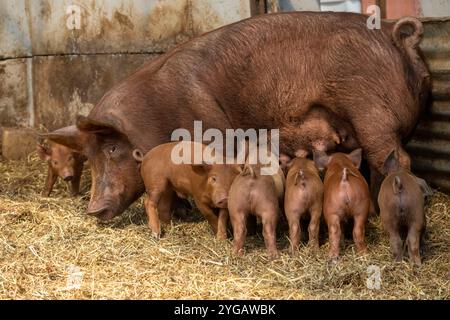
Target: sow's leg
[
  {"x": 376, "y": 178},
  {"x": 378, "y": 143},
  {"x": 49, "y": 182}
]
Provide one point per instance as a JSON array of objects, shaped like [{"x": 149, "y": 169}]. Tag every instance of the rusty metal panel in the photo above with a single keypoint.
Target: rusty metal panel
[
  {"x": 430, "y": 145},
  {"x": 14, "y": 29},
  {"x": 65, "y": 86},
  {"x": 396, "y": 9},
  {"x": 14, "y": 93}
]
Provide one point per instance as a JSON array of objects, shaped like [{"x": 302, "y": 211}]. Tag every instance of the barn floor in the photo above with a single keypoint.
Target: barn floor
[{"x": 49, "y": 249}]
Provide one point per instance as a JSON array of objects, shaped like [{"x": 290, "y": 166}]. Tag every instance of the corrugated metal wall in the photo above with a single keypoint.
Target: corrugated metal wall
[{"x": 430, "y": 146}]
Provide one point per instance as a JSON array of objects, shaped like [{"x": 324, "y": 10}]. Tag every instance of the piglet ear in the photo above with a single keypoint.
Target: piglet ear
[
  {"x": 239, "y": 168},
  {"x": 321, "y": 159},
  {"x": 356, "y": 157},
  {"x": 201, "y": 168},
  {"x": 69, "y": 136},
  {"x": 427, "y": 191},
  {"x": 391, "y": 163},
  {"x": 43, "y": 152},
  {"x": 285, "y": 162}
]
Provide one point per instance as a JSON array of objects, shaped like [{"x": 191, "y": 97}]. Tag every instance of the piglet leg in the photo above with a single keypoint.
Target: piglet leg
[
  {"x": 313, "y": 228},
  {"x": 208, "y": 213},
  {"x": 222, "y": 224},
  {"x": 151, "y": 208},
  {"x": 164, "y": 205},
  {"x": 394, "y": 237},
  {"x": 49, "y": 182},
  {"x": 294, "y": 230},
  {"x": 358, "y": 233},
  {"x": 413, "y": 242},
  {"x": 75, "y": 185},
  {"x": 334, "y": 236},
  {"x": 269, "y": 221},
  {"x": 238, "y": 221}
]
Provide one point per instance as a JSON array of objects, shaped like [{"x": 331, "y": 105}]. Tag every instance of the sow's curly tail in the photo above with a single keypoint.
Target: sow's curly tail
[{"x": 407, "y": 34}]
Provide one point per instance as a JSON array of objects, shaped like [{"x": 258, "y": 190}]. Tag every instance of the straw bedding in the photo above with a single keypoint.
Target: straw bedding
[{"x": 50, "y": 249}]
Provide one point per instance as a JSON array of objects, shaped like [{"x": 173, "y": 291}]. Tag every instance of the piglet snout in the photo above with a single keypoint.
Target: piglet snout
[
  {"x": 67, "y": 175},
  {"x": 222, "y": 203},
  {"x": 68, "y": 178}
]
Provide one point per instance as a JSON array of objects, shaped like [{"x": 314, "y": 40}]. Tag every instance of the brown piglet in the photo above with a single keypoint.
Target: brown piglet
[
  {"x": 401, "y": 200},
  {"x": 207, "y": 184},
  {"x": 62, "y": 162},
  {"x": 303, "y": 197},
  {"x": 346, "y": 196},
  {"x": 260, "y": 195}
]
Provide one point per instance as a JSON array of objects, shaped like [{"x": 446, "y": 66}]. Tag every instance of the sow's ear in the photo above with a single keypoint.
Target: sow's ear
[
  {"x": 356, "y": 157},
  {"x": 391, "y": 163},
  {"x": 93, "y": 126},
  {"x": 68, "y": 136},
  {"x": 321, "y": 159},
  {"x": 284, "y": 162}
]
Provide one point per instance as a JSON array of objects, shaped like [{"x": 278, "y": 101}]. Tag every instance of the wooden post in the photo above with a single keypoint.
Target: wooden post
[{"x": 382, "y": 5}]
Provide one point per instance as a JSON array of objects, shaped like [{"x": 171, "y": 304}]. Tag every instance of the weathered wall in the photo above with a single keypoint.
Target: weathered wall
[
  {"x": 14, "y": 92},
  {"x": 65, "y": 86},
  {"x": 57, "y": 60},
  {"x": 435, "y": 8}
]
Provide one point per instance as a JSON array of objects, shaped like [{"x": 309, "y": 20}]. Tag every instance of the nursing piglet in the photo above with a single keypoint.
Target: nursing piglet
[
  {"x": 346, "y": 196},
  {"x": 401, "y": 201}
]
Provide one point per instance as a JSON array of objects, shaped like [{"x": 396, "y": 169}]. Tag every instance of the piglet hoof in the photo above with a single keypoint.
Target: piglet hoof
[
  {"x": 156, "y": 235},
  {"x": 313, "y": 246},
  {"x": 415, "y": 262},
  {"x": 273, "y": 255},
  {"x": 293, "y": 250},
  {"x": 362, "y": 251},
  {"x": 238, "y": 252},
  {"x": 332, "y": 261},
  {"x": 398, "y": 258},
  {"x": 45, "y": 194},
  {"x": 221, "y": 236}
]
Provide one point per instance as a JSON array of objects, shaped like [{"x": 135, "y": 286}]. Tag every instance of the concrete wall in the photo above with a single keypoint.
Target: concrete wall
[
  {"x": 435, "y": 8},
  {"x": 57, "y": 60}
]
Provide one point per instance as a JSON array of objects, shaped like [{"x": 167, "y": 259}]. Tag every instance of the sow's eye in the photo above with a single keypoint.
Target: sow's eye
[{"x": 112, "y": 150}]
